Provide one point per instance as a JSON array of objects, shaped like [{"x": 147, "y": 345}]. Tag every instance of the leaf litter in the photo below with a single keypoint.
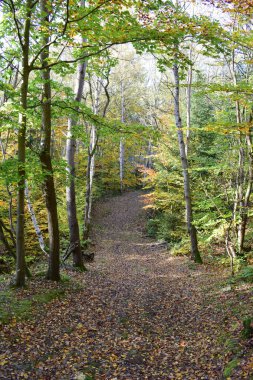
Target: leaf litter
[{"x": 139, "y": 314}]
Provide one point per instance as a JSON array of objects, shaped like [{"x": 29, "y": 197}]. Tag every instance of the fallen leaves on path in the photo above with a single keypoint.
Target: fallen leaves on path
[{"x": 140, "y": 314}]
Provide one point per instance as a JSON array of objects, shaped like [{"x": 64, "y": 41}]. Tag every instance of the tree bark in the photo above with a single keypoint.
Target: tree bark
[
  {"x": 10, "y": 208},
  {"x": 89, "y": 182},
  {"x": 5, "y": 242},
  {"x": 70, "y": 189},
  {"x": 121, "y": 144},
  {"x": 20, "y": 243},
  {"x": 34, "y": 220},
  {"x": 53, "y": 272},
  {"x": 92, "y": 151},
  {"x": 188, "y": 105},
  {"x": 187, "y": 192},
  {"x": 242, "y": 199},
  {"x": 246, "y": 202},
  {"x": 95, "y": 98}
]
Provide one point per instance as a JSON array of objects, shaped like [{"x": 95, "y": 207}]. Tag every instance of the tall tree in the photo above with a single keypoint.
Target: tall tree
[
  {"x": 75, "y": 244},
  {"x": 53, "y": 272},
  {"x": 185, "y": 166},
  {"x": 25, "y": 70}
]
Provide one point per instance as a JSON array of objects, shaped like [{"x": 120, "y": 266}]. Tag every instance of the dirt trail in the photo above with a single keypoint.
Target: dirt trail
[{"x": 142, "y": 314}]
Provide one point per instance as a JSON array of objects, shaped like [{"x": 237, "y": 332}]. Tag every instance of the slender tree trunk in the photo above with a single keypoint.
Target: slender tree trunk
[
  {"x": 10, "y": 208},
  {"x": 188, "y": 106},
  {"x": 5, "y": 242},
  {"x": 149, "y": 155},
  {"x": 241, "y": 200},
  {"x": 89, "y": 182},
  {"x": 187, "y": 192},
  {"x": 91, "y": 160},
  {"x": 8, "y": 247},
  {"x": 53, "y": 272},
  {"x": 70, "y": 189},
  {"x": 91, "y": 153},
  {"x": 121, "y": 144},
  {"x": 20, "y": 243},
  {"x": 34, "y": 220},
  {"x": 246, "y": 203},
  {"x": 121, "y": 163}
]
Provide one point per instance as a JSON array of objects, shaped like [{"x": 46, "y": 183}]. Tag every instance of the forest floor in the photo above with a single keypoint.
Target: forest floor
[{"x": 138, "y": 313}]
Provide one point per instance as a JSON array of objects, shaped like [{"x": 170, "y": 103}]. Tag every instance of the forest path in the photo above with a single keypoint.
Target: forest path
[{"x": 141, "y": 313}]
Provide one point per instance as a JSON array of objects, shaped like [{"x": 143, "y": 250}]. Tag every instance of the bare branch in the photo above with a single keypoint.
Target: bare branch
[
  {"x": 16, "y": 23},
  {"x": 90, "y": 12}
]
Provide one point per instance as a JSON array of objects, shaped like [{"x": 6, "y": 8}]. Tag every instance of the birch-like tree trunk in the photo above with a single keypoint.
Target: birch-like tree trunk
[
  {"x": 188, "y": 105},
  {"x": 92, "y": 151},
  {"x": 244, "y": 211},
  {"x": 242, "y": 195},
  {"x": 53, "y": 272},
  {"x": 75, "y": 243},
  {"x": 91, "y": 159},
  {"x": 34, "y": 220},
  {"x": 187, "y": 191},
  {"x": 89, "y": 183}
]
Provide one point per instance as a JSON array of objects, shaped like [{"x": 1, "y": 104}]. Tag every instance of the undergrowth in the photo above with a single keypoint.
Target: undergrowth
[{"x": 22, "y": 306}]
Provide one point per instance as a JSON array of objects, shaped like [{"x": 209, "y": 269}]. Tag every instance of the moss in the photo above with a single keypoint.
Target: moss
[
  {"x": 65, "y": 278},
  {"x": 20, "y": 309},
  {"x": 247, "y": 331},
  {"x": 231, "y": 345},
  {"x": 230, "y": 367},
  {"x": 11, "y": 307},
  {"x": 48, "y": 296}
]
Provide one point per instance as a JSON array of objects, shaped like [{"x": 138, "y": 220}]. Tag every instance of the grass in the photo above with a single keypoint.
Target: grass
[
  {"x": 13, "y": 308},
  {"x": 230, "y": 367},
  {"x": 43, "y": 298}
]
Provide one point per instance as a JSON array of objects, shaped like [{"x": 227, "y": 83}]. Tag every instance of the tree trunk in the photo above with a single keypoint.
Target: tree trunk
[
  {"x": 5, "y": 242},
  {"x": 10, "y": 208},
  {"x": 89, "y": 182},
  {"x": 149, "y": 155},
  {"x": 121, "y": 163},
  {"x": 246, "y": 203},
  {"x": 53, "y": 272},
  {"x": 34, "y": 220},
  {"x": 241, "y": 199},
  {"x": 121, "y": 144},
  {"x": 188, "y": 105},
  {"x": 20, "y": 243},
  {"x": 91, "y": 154},
  {"x": 187, "y": 192},
  {"x": 92, "y": 151},
  {"x": 70, "y": 189}
]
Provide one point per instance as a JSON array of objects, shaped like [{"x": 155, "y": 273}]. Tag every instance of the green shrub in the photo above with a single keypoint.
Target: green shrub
[
  {"x": 165, "y": 226},
  {"x": 152, "y": 227},
  {"x": 246, "y": 274}
]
